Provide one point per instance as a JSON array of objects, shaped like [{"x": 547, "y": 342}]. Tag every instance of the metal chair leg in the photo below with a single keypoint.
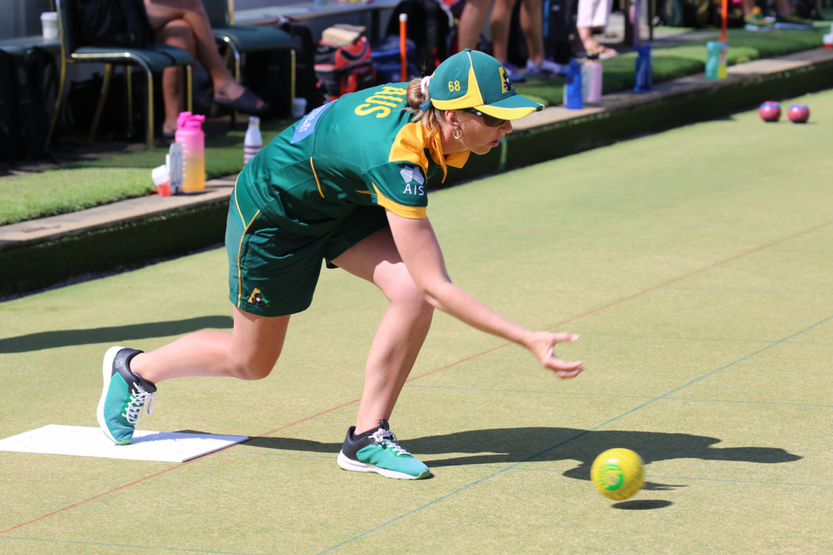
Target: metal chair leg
[
  {"x": 59, "y": 97},
  {"x": 149, "y": 110},
  {"x": 189, "y": 79},
  {"x": 128, "y": 96},
  {"x": 102, "y": 100},
  {"x": 236, "y": 78},
  {"x": 292, "y": 84}
]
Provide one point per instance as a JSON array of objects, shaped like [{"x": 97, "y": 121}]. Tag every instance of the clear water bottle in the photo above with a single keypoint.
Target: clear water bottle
[
  {"x": 253, "y": 141},
  {"x": 591, "y": 81}
]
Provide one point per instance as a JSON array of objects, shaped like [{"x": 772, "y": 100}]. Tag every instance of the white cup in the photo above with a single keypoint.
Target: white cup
[
  {"x": 49, "y": 23},
  {"x": 299, "y": 107}
]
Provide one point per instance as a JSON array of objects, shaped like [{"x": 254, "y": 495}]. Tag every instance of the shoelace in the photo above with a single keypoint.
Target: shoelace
[
  {"x": 139, "y": 404},
  {"x": 387, "y": 440}
]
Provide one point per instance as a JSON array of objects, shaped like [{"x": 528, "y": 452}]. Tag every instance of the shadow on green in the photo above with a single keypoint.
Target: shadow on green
[
  {"x": 114, "y": 334},
  {"x": 530, "y": 444}
]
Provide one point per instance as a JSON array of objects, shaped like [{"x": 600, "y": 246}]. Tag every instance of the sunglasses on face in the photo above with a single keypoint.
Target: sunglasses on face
[{"x": 490, "y": 121}]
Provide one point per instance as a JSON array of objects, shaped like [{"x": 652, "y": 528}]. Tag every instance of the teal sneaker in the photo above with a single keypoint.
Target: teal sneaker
[
  {"x": 755, "y": 21},
  {"x": 377, "y": 451},
  {"x": 792, "y": 21},
  {"x": 126, "y": 396}
]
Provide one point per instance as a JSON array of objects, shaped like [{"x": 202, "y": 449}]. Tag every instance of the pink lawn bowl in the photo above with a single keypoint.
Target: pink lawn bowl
[
  {"x": 770, "y": 111},
  {"x": 799, "y": 113}
]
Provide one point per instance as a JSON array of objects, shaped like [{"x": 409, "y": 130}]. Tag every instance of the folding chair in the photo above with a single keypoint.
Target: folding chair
[{"x": 152, "y": 58}]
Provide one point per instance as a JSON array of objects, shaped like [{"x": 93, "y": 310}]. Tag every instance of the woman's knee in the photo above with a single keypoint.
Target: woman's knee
[
  {"x": 179, "y": 33},
  {"x": 251, "y": 369},
  {"x": 405, "y": 293},
  {"x": 256, "y": 345}
]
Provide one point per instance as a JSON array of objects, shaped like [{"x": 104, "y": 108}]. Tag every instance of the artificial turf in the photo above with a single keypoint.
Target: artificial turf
[{"x": 696, "y": 266}]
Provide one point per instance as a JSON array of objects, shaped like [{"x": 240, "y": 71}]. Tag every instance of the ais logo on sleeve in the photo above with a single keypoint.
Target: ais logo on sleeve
[{"x": 414, "y": 181}]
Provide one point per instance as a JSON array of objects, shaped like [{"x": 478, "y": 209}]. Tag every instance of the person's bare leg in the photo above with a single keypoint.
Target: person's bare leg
[
  {"x": 177, "y": 33},
  {"x": 532, "y": 24},
  {"x": 471, "y": 23},
  {"x": 500, "y": 23},
  {"x": 161, "y": 11},
  {"x": 400, "y": 334},
  {"x": 249, "y": 352}
]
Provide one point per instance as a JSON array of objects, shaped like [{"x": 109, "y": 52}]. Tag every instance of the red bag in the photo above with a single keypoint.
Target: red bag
[{"x": 344, "y": 69}]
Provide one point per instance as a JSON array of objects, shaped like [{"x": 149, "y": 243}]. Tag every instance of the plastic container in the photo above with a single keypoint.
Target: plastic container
[
  {"x": 162, "y": 181},
  {"x": 644, "y": 75},
  {"x": 572, "y": 88},
  {"x": 173, "y": 161},
  {"x": 591, "y": 82},
  {"x": 190, "y": 135},
  {"x": 716, "y": 59},
  {"x": 49, "y": 25},
  {"x": 299, "y": 107},
  {"x": 827, "y": 40},
  {"x": 253, "y": 141}
]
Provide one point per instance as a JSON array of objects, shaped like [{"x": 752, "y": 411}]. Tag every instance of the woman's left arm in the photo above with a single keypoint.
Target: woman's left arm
[{"x": 420, "y": 251}]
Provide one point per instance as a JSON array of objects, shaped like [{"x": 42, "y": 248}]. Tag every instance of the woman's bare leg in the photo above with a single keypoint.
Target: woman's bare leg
[
  {"x": 177, "y": 33},
  {"x": 400, "y": 334},
  {"x": 249, "y": 352},
  {"x": 192, "y": 11},
  {"x": 532, "y": 24},
  {"x": 500, "y": 23},
  {"x": 471, "y": 23}
]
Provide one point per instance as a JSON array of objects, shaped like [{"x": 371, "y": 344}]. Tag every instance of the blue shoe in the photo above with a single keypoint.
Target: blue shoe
[
  {"x": 377, "y": 451},
  {"x": 513, "y": 73},
  {"x": 546, "y": 68},
  {"x": 125, "y": 398}
]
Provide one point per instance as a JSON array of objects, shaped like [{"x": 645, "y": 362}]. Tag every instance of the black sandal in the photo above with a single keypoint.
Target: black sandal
[{"x": 246, "y": 103}]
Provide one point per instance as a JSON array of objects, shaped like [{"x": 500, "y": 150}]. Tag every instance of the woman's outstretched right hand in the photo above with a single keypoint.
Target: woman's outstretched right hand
[{"x": 542, "y": 344}]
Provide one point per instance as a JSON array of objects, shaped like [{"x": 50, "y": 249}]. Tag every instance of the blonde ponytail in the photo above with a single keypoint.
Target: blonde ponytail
[{"x": 416, "y": 96}]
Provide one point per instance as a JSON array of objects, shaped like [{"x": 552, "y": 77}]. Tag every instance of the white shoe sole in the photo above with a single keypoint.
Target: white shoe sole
[
  {"x": 357, "y": 466},
  {"x": 107, "y": 372}
]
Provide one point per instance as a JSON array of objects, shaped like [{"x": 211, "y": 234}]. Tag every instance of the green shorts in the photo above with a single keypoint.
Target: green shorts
[{"x": 274, "y": 272}]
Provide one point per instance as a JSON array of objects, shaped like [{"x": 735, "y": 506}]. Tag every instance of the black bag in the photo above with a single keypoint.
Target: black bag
[
  {"x": 306, "y": 83},
  {"x": 387, "y": 58},
  {"x": 429, "y": 26},
  {"x": 344, "y": 69},
  {"x": 9, "y": 125},
  {"x": 266, "y": 73},
  {"x": 112, "y": 23},
  {"x": 559, "y": 24},
  {"x": 25, "y": 79},
  {"x": 808, "y": 9}
]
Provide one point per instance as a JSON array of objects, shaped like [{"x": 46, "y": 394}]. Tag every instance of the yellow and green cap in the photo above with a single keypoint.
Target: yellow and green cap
[{"x": 472, "y": 79}]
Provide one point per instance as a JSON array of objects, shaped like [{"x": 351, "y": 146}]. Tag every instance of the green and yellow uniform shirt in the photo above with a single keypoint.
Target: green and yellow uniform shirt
[
  {"x": 319, "y": 188},
  {"x": 359, "y": 150}
]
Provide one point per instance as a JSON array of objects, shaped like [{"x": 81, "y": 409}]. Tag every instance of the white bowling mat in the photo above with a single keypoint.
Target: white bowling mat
[{"x": 80, "y": 441}]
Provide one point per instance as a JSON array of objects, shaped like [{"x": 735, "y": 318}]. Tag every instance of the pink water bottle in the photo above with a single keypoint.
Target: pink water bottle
[{"x": 190, "y": 135}]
